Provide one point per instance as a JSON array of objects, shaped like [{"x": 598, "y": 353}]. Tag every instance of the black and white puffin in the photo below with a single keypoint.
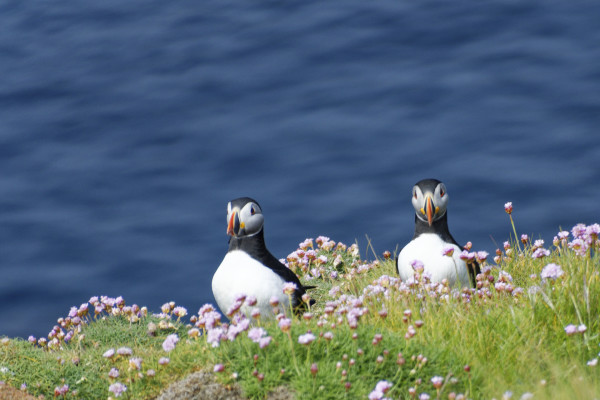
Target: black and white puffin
[
  {"x": 432, "y": 237},
  {"x": 249, "y": 268}
]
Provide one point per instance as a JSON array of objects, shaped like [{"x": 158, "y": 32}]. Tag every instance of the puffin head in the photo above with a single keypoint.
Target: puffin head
[
  {"x": 429, "y": 198},
  {"x": 244, "y": 217}
]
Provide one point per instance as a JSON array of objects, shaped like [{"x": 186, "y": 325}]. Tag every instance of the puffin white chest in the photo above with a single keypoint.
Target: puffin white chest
[
  {"x": 241, "y": 274},
  {"x": 428, "y": 248}
]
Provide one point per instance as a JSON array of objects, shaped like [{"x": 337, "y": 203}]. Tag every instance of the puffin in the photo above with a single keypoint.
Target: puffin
[
  {"x": 250, "y": 269},
  {"x": 432, "y": 238}
]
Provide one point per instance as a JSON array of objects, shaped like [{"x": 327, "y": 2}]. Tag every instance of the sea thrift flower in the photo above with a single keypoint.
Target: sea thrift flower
[
  {"x": 540, "y": 253},
  {"x": 117, "y": 388},
  {"x": 180, "y": 311},
  {"x": 151, "y": 373},
  {"x": 417, "y": 265},
  {"x": 579, "y": 246},
  {"x": 551, "y": 271},
  {"x": 285, "y": 324},
  {"x": 308, "y": 243},
  {"x": 581, "y": 328},
  {"x": 481, "y": 256},
  {"x": 135, "y": 363},
  {"x": 113, "y": 373},
  {"x": 524, "y": 238},
  {"x": 578, "y": 231},
  {"x": 170, "y": 342},
  {"x": 255, "y": 334},
  {"x": 314, "y": 368},
  {"x": 437, "y": 381},
  {"x": 508, "y": 207},
  {"x": 306, "y": 339},
  {"x": 570, "y": 329},
  {"x": 31, "y": 339},
  {"x": 109, "y": 353},
  {"x": 124, "y": 351},
  {"x": 214, "y": 336},
  {"x": 219, "y": 368},
  {"x": 448, "y": 251},
  {"x": 163, "y": 360},
  {"x": 264, "y": 342},
  {"x": 592, "y": 363},
  {"x": 274, "y": 301},
  {"x": 61, "y": 390},
  {"x": 424, "y": 396},
  {"x": 380, "y": 389},
  {"x": 289, "y": 288}
]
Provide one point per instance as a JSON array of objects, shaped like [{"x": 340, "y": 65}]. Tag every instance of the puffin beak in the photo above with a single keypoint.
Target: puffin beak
[
  {"x": 233, "y": 227},
  {"x": 429, "y": 210}
]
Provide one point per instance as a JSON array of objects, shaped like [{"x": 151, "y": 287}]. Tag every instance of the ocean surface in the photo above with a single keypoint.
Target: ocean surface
[{"x": 126, "y": 127}]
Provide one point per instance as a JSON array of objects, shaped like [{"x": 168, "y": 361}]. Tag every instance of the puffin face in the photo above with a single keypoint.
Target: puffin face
[
  {"x": 429, "y": 200},
  {"x": 244, "y": 217}
]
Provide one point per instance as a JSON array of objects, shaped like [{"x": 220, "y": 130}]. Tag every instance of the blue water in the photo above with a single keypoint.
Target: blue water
[{"x": 126, "y": 127}]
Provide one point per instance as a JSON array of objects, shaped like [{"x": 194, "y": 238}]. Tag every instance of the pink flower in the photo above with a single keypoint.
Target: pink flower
[
  {"x": 570, "y": 329},
  {"x": 219, "y": 368},
  {"x": 508, "y": 207},
  {"x": 448, "y": 251},
  {"x": 437, "y": 381},
  {"x": 255, "y": 334},
  {"x": 306, "y": 339},
  {"x": 62, "y": 390},
  {"x": 135, "y": 363},
  {"x": 285, "y": 324},
  {"x": 417, "y": 265},
  {"x": 264, "y": 342},
  {"x": 117, "y": 388},
  {"x": 308, "y": 243},
  {"x": 163, "y": 360},
  {"x": 109, "y": 353},
  {"x": 124, "y": 351},
  {"x": 289, "y": 288},
  {"x": 540, "y": 253},
  {"x": 180, "y": 311},
  {"x": 170, "y": 342},
  {"x": 551, "y": 271},
  {"x": 481, "y": 255},
  {"x": 113, "y": 373}
]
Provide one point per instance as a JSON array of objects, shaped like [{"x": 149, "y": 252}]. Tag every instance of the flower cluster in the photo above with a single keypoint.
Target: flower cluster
[
  {"x": 325, "y": 261},
  {"x": 71, "y": 326}
]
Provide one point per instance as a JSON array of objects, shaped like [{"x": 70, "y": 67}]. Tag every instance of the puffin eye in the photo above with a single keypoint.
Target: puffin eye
[
  {"x": 415, "y": 194},
  {"x": 252, "y": 211},
  {"x": 442, "y": 193}
]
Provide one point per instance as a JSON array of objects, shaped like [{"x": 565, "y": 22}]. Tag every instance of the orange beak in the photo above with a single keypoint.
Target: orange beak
[
  {"x": 429, "y": 211},
  {"x": 231, "y": 224}
]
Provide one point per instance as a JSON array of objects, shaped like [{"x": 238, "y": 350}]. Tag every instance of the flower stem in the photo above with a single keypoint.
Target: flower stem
[
  {"x": 515, "y": 232},
  {"x": 293, "y": 353}
]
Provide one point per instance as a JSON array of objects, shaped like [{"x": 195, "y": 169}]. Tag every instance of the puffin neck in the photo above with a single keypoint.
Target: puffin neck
[
  {"x": 253, "y": 244},
  {"x": 438, "y": 227}
]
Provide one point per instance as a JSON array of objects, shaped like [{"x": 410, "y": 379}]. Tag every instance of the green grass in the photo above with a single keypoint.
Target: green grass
[{"x": 510, "y": 342}]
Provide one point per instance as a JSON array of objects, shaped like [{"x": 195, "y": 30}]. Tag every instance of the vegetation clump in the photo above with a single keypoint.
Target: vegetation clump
[{"x": 530, "y": 329}]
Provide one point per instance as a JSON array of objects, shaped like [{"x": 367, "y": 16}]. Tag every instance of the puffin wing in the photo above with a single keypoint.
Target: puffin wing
[{"x": 289, "y": 276}]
